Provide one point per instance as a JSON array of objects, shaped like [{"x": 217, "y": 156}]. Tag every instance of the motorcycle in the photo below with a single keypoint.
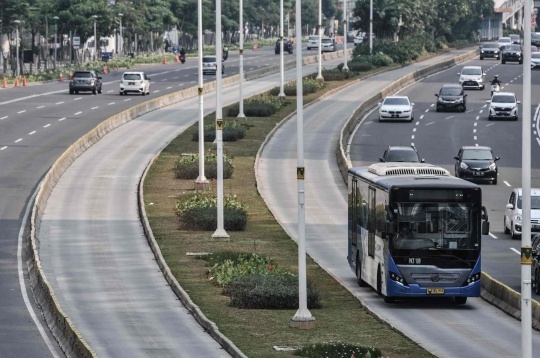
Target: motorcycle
[
  {"x": 183, "y": 58},
  {"x": 494, "y": 89},
  {"x": 225, "y": 53}
]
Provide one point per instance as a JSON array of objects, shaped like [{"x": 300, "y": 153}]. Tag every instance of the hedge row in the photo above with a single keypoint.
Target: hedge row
[
  {"x": 257, "y": 107},
  {"x": 309, "y": 86},
  {"x": 403, "y": 51},
  {"x": 187, "y": 167},
  {"x": 232, "y": 131},
  {"x": 337, "y": 349}
]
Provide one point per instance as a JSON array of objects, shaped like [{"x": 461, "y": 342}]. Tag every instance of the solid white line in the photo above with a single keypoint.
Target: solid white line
[
  {"x": 516, "y": 251},
  {"x": 414, "y": 130},
  {"x": 507, "y": 184},
  {"x": 22, "y": 283},
  {"x": 4, "y": 117},
  {"x": 76, "y": 114},
  {"x": 48, "y": 125},
  {"x": 40, "y": 107},
  {"x": 76, "y": 99},
  {"x": 110, "y": 104},
  {"x": 21, "y": 111},
  {"x": 493, "y": 236},
  {"x": 427, "y": 124},
  {"x": 490, "y": 124},
  {"x": 59, "y": 102},
  {"x": 61, "y": 119},
  {"x": 31, "y": 133},
  {"x": 95, "y": 107},
  {"x": 422, "y": 116},
  {"x": 18, "y": 140}
]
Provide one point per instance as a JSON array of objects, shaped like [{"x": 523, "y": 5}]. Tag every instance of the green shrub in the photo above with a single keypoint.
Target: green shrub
[
  {"x": 403, "y": 51},
  {"x": 377, "y": 60},
  {"x": 200, "y": 213},
  {"x": 270, "y": 291},
  {"x": 309, "y": 86},
  {"x": 233, "y": 130},
  {"x": 187, "y": 166},
  {"x": 257, "y": 107},
  {"x": 359, "y": 66},
  {"x": 337, "y": 350},
  {"x": 336, "y": 75},
  {"x": 217, "y": 258}
]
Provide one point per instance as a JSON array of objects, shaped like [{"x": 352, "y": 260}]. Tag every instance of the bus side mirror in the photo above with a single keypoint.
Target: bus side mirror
[
  {"x": 485, "y": 227},
  {"x": 485, "y": 214}
]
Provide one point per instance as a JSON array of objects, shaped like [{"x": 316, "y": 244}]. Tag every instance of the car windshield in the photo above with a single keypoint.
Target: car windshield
[
  {"x": 132, "y": 76},
  {"x": 402, "y": 156},
  {"x": 450, "y": 91},
  {"x": 82, "y": 74},
  {"x": 396, "y": 101},
  {"x": 471, "y": 71},
  {"x": 535, "y": 55},
  {"x": 313, "y": 38},
  {"x": 513, "y": 48},
  {"x": 534, "y": 49},
  {"x": 477, "y": 154},
  {"x": 535, "y": 202},
  {"x": 490, "y": 46},
  {"x": 326, "y": 41},
  {"x": 503, "y": 99},
  {"x": 209, "y": 59},
  {"x": 439, "y": 225},
  {"x": 535, "y": 36},
  {"x": 504, "y": 39}
]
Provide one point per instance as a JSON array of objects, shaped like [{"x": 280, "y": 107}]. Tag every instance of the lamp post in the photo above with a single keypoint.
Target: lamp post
[
  {"x": 201, "y": 181},
  {"x": 345, "y": 67},
  {"x": 121, "y": 39},
  {"x": 281, "y": 64},
  {"x": 241, "y": 84},
  {"x": 319, "y": 76},
  {"x": 220, "y": 233},
  {"x": 303, "y": 318},
  {"x": 17, "y": 22},
  {"x": 55, "y": 38},
  {"x": 371, "y": 27},
  {"x": 95, "y": 36}
]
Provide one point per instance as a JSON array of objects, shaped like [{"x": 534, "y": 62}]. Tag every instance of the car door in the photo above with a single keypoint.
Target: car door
[
  {"x": 508, "y": 212},
  {"x": 146, "y": 82}
]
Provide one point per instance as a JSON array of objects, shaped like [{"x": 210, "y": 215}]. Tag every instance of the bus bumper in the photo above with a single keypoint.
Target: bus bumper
[{"x": 396, "y": 290}]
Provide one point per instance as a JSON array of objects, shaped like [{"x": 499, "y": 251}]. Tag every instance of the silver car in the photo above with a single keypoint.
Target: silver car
[
  {"x": 210, "y": 65},
  {"x": 396, "y": 108},
  {"x": 472, "y": 77},
  {"x": 503, "y": 105},
  {"x": 327, "y": 45}
]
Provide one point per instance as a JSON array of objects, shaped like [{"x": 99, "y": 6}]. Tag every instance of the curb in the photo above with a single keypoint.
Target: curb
[
  {"x": 208, "y": 325},
  {"x": 69, "y": 339}
]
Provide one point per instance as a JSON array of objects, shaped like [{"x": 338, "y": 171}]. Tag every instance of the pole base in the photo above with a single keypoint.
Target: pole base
[
  {"x": 320, "y": 78},
  {"x": 220, "y": 235},
  {"x": 214, "y": 144},
  {"x": 302, "y": 322},
  {"x": 282, "y": 96},
  {"x": 202, "y": 184},
  {"x": 242, "y": 117},
  {"x": 345, "y": 69}
]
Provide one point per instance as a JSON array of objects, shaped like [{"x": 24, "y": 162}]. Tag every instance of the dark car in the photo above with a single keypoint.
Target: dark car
[
  {"x": 476, "y": 164},
  {"x": 535, "y": 267},
  {"x": 516, "y": 39},
  {"x": 512, "y": 53},
  {"x": 401, "y": 154},
  {"x": 85, "y": 81},
  {"x": 490, "y": 50},
  {"x": 451, "y": 97},
  {"x": 287, "y": 46}
]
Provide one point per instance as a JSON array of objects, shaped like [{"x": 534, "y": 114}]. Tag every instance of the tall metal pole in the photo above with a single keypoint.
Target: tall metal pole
[
  {"x": 241, "y": 84},
  {"x": 319, "y": 76},
  {"x": 47, "y": 42},
  {"x": 121, "y": 38},
  {"x": 55, "y": 37},
  {"x": 281, "y": 64},
  {"x": 201, "y": 181},
  {"x": 370, "y": 27},
  {"x": 526, "y": 250},
  {"x": 220, "y": 233},
  {"x": 17, "y": 49},
  {"x": 345, "y": 67},
  {"x": 70, "y": 48},
  {"x": 95, "y": 40},
  {"x": 302, "y": 318}
]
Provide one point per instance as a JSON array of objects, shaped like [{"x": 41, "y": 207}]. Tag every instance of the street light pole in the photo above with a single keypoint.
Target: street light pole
[
  {"x": 526, "y": 250},
  {"x": 201, "y": 181},
  {"x": 319, "y": 76},
  {"x": 17, "y": 48},
  {"x": 95, "y": 37},
  {"x": 303, "y": 318},
  {"x": 370, "y": 27},
  {"x": 281, "y": 64},
  {"x": 121, "y": 37},
  {"x": 241, "y": 83},
  {"x": 220, "y": 233},
  {"x": 345, "y": 67},
  {"x": 55, "y": 38}
]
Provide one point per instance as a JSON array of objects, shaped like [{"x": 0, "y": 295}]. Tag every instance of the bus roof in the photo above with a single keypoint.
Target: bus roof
[{"x": 412, "y": 180}]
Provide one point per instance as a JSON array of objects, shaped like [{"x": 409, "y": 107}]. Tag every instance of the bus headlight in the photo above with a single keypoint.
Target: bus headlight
[
  {"x": 473, "y": 278},
  {"x": 398, "y": 279}
]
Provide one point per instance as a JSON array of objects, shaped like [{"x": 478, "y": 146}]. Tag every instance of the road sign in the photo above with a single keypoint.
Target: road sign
[
  {"x": 106, "y": 56},
  {"x": 76, "y": 42}
]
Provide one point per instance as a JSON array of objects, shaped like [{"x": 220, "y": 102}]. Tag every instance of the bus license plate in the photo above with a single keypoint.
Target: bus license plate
[{"x": 435, "y": 291}]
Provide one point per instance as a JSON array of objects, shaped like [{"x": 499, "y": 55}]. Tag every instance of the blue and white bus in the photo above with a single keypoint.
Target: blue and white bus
[{"x": 415, "y": 231}]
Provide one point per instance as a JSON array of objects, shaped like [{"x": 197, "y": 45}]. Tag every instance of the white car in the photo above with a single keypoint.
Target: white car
[
  {"x": 396, "y": 108},
  {"x": 535, "y": 59},
  {"x": 328, "y": 45},
  {"x": 358, "y": 38},
  {"x": 503, "y": 105},
  {"x": 503, "y": 41},
  {"x": 472, "y": 77},
  {"x": 210, "y": 65},
  {"x": 135, "y": 82},
  {"x": 313, "y": 42},
  {"x": 513, "y": 214}
]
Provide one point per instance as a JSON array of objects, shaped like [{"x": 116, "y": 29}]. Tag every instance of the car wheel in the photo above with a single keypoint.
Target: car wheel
[
  {"x": 498, "y": 58},
  {"x": 516, "y": 118},
  {"x": 489, "y": 118},
  {"x": 514, "y": 237},
  {"x": 460, "y": 300},
  {"x": 100, "y": 90},
  {"x": 521, "y": 62},
  {"x": 277, "y": 52},
  {"x": 359, "y": 280},
  {"x": 463, "y": 108},
  {"x": 76, "y": 92},
  {"x": 506, "y": 230},
  {"x": 494, "y": 181},
  {"x": 94, "y": 91},
  {"x": 437, "y": 109},
  {"x": 481, "y": 58},
  {"x": 70, "y": 91},
  {"x": 290, "y": 52},
  {"x": 144, "y": 93}
]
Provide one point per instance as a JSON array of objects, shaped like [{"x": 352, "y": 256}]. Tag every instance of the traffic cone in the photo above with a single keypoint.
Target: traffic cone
[
  {"x": 16, "y": 81},
  {"x": 70, "y": 75},
  {"x": 61, "y": 79},
  {"x": 164, "y": 60},
  {"x": 177, "y": 59},
  {"x": 24, "y": 81},
  {"x": 5, "y": 83}
]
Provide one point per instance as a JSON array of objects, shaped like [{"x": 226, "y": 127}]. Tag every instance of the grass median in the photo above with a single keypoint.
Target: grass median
[{"x": 256, "y": 331}]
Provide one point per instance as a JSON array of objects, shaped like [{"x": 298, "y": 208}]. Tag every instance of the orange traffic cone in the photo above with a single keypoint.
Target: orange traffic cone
[
  {"x": 70, "y": 75},
  {"x": 16, "y": 81},
  {"x": 164, "y": 60},
  {"x": 61, "y": 79},
  {"x": 5, "y": 83},
  {"x": 177, "y": 59},
  {"x": 24, "y": 81}
]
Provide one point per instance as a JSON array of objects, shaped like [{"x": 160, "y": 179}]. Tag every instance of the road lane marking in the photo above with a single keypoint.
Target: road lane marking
[
  {"x": 490, "y": 124},
  {"x": 470, "y": 110},
  {"x": 476, "y": 144},
  {"x": 156, "y": 91},
  {"x": 481, "y": 111},
  {"x": 60, "y": 103},
  {"x": 417, "y": 123},
  {"x": 511, "y": 81},
  {"x": 76, "y": 99},
  {"x": 427, "y": 110},
  {"x": 18, "y": 140},
  {"x": 164, "y": 80},
  {"x": 422, "y": 116},
  {"x": 61, "y": 119},
  {"x": 192, "y": 82},
  {"x": 129, "y": 99},
  {"x": 4, "y": 117},
  {"x": 450, "y": 117},
  {"x": 21, "y": 111},
  {"x": 110, "y": 104},
  {"x": 475, "y": 138},
  {"x": 412, "y": 137},
  {"x": 76, "y": 114},
  {"x": 485, "y": 105},
  {"x": 31, "y": 133},
  {"x": 516, "y": 251},
  {"x": 95, "y": 107},
  {"x": 507, "y": 84},
  {"x": 168, "y": 87},
  {"x": 47, "y": 125},
  {"x": 427, "y": 124},
  {"x": 175, "y": 78},
  {"x": 186, "y": 76},
  {"x": 475, "y": 124},
  {"x": 4, "y": 147},
  {"x": 414, "y": 130},
  {"x": 40, "y": 107},
  {"x": 110, "y": 91},
  {"x": 474, "y": 131},
  {"x": 478, "y": 117},
  {"x": 507, "y": 184},
  {"x": 432, "y": 105},
  {"x": 493, "y": 236}
]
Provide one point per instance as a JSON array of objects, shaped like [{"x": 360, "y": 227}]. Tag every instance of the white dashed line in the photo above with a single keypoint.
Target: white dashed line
[
  {"x": 470, "y": 110},
  {"x": 110, "y": 91},
  {"x": 186, "y": 76},
  {"x": 168, "y": 87},
  {"x": 192, "y": 82},
  {"x": 48, "y": 125},
  {"x": 507, "y": 84},
  {"x": 76, "y": 99},
  {"x": 4, "y": 147},
  {"x": 40, "y": 107},
  {"x": 432, "y": 105},
  {"x": 511, "y": 81},
  {"x": 417, "y": 123},
  {"x": 475, "y": 138},
  {"x": 485, "y": 105},
  {"x": 164, "y": 80},
  {"x": 427, "y": 110},
  {"x": 412, "y": 137},
  {"x": 477, "y": 117},
  {"x": 412, "y": 144},
  {"x": 175, "y": 78},
  {"x": 110, "y": 104},
  {"x": 507, "y": 184},
  {"x": 422, "y": 116},
  {"x": 61, "y": 119},
  {"x": 129, "y": 99},
  {"x": 493, "y": 124},
  {"x": 481, "y": 111},
  {"x": 4, "y": 117},
  {"x": 18, "y": 140},
  {"x": 414, "y": 130},
  {"x": 95, "y": 107},
  {"x": 60, "y": 103},
  {"x": 475, "y": 124},
  {"x": 31, "y": 133},
  {"x": 76, "y": 114},
  {"x": 474, "y": 130},
  {"x": 156, "y": 91},
  {"x": 21, "y": 111},
  {"x": 427, "y": 124},
  {"x": 450, "y": 117},
  {"x": 493, "y": 236},
  {"x": 516, "y": 251}
]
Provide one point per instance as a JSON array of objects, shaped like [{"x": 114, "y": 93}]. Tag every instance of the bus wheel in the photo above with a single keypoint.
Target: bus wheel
[
  {"x": 359, "y": 280},
  {"x": 389, "y": 299},
  {"x": 460, "y": 300}
]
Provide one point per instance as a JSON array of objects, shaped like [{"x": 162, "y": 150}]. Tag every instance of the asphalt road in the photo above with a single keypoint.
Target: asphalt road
[
  {"x": 439, "y": 136},
  {"x": 476, "y": 329},
  {"x": 93, "y": 248},
  {"x": 37, "y": 124}
]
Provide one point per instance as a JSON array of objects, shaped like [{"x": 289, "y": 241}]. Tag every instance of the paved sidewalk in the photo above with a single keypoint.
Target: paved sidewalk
[
  {"x": 474, "y": 330},
  {"x": 93, "y": 248}
]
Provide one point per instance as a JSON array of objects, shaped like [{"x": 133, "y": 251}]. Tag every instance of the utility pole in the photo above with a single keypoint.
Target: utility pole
[
  {"x": 345, "y": 67},
  {"x": 17, "y": 22},
  {"x": 241, "y": 84},
  {"x": 121, "y": 37},
  {"x": 281, "y": 61},
  {"x": 303, "y": 318},
  {"x": 95, "y": 37},
  {"x": 370, "y": 27},
  {"x": 201, "y": 182},
  {"x": 319, "y": 76}
]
